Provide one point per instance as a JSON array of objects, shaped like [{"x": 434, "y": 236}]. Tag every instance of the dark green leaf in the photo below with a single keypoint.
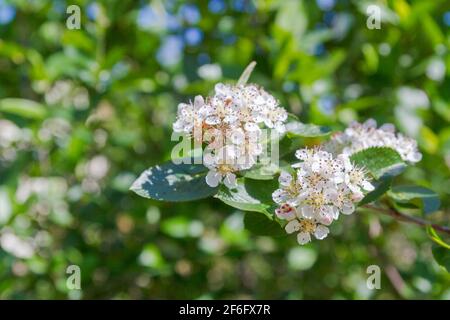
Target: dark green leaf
[
  {"x": 425, "y": 198},
  {"x": 261, "y": 225},
  {"x": 442, "y": 256},
  {"x": 171, "y": 182},
  {"x": 381, "y": 186}
]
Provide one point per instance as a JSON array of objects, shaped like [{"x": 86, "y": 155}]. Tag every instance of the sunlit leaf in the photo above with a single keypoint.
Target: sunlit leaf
[
  {"x": 379, "y": 161},
  {"x": 436, "y": 238},
  {"x": 299, "y": 129},
  {"x": 23, "y": 108},
  {"x": 171, "y": 182}
]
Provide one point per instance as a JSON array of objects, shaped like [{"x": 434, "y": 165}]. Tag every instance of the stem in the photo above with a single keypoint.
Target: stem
[
  {"x": 246, "y": 74},
  {"x": 403, "y": 217}
]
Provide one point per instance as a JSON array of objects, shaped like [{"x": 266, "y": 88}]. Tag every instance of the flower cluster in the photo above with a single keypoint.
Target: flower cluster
[
  {"x": 321, "y": 187},
  {"x": 230, "y": 123},
  {"x": 361, "y": 136}
]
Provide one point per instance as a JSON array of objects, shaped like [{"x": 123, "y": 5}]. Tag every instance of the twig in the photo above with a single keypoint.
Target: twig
[{"x": 403, "y": 217}]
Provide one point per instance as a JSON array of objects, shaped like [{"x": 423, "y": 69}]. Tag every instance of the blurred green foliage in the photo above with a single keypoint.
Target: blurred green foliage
[{"x": 83, "y": 112}]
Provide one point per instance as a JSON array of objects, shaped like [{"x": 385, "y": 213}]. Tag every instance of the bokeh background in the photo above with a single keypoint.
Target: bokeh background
[{"x": 83, "y": 112}]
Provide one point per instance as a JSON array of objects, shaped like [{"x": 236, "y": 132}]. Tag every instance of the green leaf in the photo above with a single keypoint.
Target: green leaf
[
  {"x": 379, "y": 161},
  {"x": 299, "y": 129},
  {"x": 424, "y": 198},
  {"x": 250, "y": 195},
  {"x": 262, "y": 172},
  {"x": 246, "y": 74},
  {"x": 436, "y": 238},
  {"x": 174, "y": 182},
  {"x": 381, "y": 187},
  {"x": 442, "y": 256},
  {"x": 261, "y": 225},
  {"x": 23, "y": 108}
]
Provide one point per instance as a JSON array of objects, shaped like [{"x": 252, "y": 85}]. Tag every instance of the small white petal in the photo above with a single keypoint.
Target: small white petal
[
  {"x": 251, "y": 127},
  {"x": 237, "y": 136},
  {"x": 415, "y": 157},
  {"x": 307, "y": 212},
  {"x": 370, "y": 123},
  {"x": 285, "y": 178},
  {"x": 367, "y": 186},
  {"x": 198, "y": 102},
  {"x": 348, "y": 209},
  {"x": 303, "y": 238},
  {"x": 292, "y": 226},
  {"x": 321, "y": 232},
  {"x": 213, "y": 178},
  {"x": 230, "y": 181},
  {"x": 280, "y": 128},
  {"x": 208, "y": 159},
  {"x": 388, "y": 127},
  {"x": 212, "y": 120}
]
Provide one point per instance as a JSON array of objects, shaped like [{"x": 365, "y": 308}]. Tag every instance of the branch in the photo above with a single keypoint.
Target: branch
[{"x": 403, "y": 217}]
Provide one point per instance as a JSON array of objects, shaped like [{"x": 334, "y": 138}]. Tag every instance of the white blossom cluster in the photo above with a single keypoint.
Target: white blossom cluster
[
  {"x": 12, "y": 140},
  {"x": 359, "y": 136},
  {"x": 230, "y": 123},
  {"x": 321, "y": 187}
]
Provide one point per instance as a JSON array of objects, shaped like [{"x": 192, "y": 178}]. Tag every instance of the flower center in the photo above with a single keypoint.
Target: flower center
[
  {"x": 317, "y": 200},
  {"x": 308, "y": 226},
  {"x": 224, "y": 169}
]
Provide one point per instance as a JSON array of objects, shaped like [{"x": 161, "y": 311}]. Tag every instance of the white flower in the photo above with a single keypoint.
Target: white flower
[
  {"x": 232, "y": 117},
  {"x": 286, "y": 212},
  {"x": 343, "y": 199},
  {"x": 190, "y": 114},
  {"x": 320, "y": 189},
  {"x": 361, "y": 136},
  {"x": 303, "y": 227},
  {"x": 354, "y": 178},
  {"x": 289, "y": 191},
  {"x": 214, "y": 177},
  {"x": 221, "y": 164}
]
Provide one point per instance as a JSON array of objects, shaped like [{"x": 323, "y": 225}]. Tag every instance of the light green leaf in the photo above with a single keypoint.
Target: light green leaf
[
  {"x": 171, "y": 182},
  {"x": 379, "y": 161},
  {"x": 23, "y": 108},
  {"x": 425, "y": 198},
  {"x": 262, "y": 172},
  {"x": 299, "y": 129},
  {"x": 436, "y": 238},
  {"x": 261, "y": 225},
  {"x": 246, "y": 74}
]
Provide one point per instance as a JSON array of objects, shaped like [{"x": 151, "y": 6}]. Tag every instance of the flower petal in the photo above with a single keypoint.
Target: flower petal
[
  {"x": 321, "y": 232},
  {"x": 292, "y": 226},
  {"x": 230, "y": 181},
  {"x": 303, "y": 238},
  {"x": 213, "y": 178}
]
